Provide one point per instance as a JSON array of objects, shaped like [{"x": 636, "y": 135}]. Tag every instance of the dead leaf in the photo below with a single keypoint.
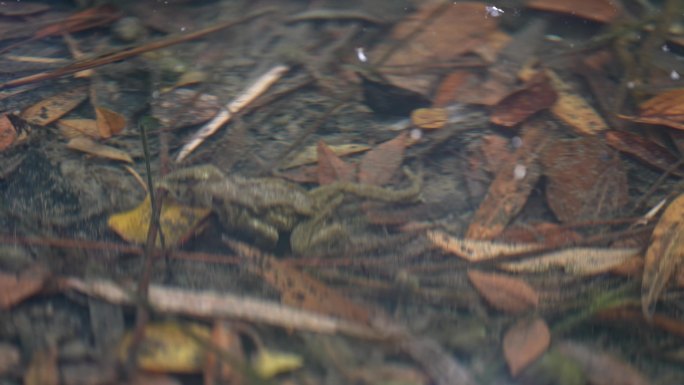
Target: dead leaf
[
  {"x": 169, "y": 347},
  {"x": 643, "y": 149},
  {"x": 42, "y": 369},
  {"x": 91, "y": 147},
  {"x": 664, "y": 255},
  {"x": 331, "y": 168},
  {"x": 524, "y": 342},
  {"x": 449, "y": 88},
  {"x": 574, "y": 110},
  {"x": 664, "y": 109},
  {"x": 510, "y": 295},
  {"x": 513, "y": 183},
  {"x": 48, "y": 110},
  {"x": 310, "y": 153},
  {"x": 433, "y": 21},
  {"x": 429, "y": 118},
  {"x": 477, "y": 250},
  {"x": 109, "y": 122},
  {"x": 603, "y": 11},
  {"x": 176, "y": 222},
  {"x": 585, "y": 179},
  {"x": 15, "y": 288},
  {"x": 602, "y": 368},
  {"x": 537, "y": 95},
  {"x": 581, "y": 261},
  {"x": 72, "y": 128},
  {"x": 267, "y": 364},
  {"x": 380, "y": 164},
  {"x": 8, "y": 133},
  {"x": 216, "y": 370},
  {"x": 300, "y": 289},
  {"x": 549, "y": 234}
]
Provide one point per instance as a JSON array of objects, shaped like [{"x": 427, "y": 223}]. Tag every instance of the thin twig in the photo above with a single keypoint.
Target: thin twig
[{"x": 263, "y": 83}]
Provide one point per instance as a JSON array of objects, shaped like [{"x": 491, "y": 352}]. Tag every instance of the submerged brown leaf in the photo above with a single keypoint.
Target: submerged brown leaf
[
  {"x": 109, "y": 122},
  {"x": 91, "y": 147},
  {"x": 537, "y": 95},
  {"x": 510, "y": 189},
  {"x": 331, "y": 168},
  {"x": 15, "y": 288},
  {"x": 504, "y": 293},
  {"x": 585, "y": 179},
  {"x": 524, "y": 342},
  {"x": 666, "y": 109},
  {"x": 603, "y": 11},
  {"x": 48, "y": 110},
  {"x": 664, "y": 255},
  {"x": 380, "y": 164}
]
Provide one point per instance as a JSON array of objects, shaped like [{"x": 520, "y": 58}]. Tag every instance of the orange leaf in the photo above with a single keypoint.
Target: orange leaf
[
  {"x": 331, "y": 168},
  {"x": 48, "y": 110},
  {"x": 379, "y": 164},
  {"x": 504, "y": 293},
  {"x": 109, "y": 122},
  {"x": 643, "y": 149},
  {"x": 664, "y": 255},
  {"x": 537, "y": 95},
  {"x": 572, "y": 109},
  {"x": 14, "y": 289},
  {"x": 523, "y": 343},
  {"x": 8, "y": 133},
  {"x": 449, "y": 88},
  {"x": 602, "y": 11},
  {"x": 509, "y": 191},
  {"x": 665, "y": 109},
  {"x": 585, "y": 179}
]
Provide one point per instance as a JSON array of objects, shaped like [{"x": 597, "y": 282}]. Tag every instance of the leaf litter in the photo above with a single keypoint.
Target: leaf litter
[{"x": 518, "y": 175}]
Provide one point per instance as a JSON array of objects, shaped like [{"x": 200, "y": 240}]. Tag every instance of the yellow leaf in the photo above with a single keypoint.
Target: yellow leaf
[
  {"x": 269, "y": 363},
  {"x": 169, "y": 347},
  {"x": 573, "y": 110},
  {"x": 664, "y": 255},
  {"x": 176, "y": 222}
]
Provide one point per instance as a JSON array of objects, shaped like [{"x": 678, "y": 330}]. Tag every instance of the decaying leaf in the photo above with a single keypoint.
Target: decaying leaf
[
  {"x": 169, "y": 347},
  {"x": 449, "y": 88},
  {"x": 603, "y": 11},
  {"x": 643, "y": 149},
  {"x": 476, "y": 250},
  {"x": 433, "y": 21},
  {"x": 380, "y": 164},
  {"x": 91, "y": 147},
  {"x": 429, "y": 118},
  {"x": 504, "y": 293},
  {"x": 8, "y": 133},
  {"x": 509, "y": 191},
  {"x": 48, "y": 110},
  {"x": 15, "y": 288},
  {"x": 581, "y": 261},
  {"x": 536, "y": 96},
  {"x": 269, "y": 363},
  {"x": 109, "y": 122},
  {"x": 664, "y": 255},
  {"x": 524, "y": 342},
  {"x": 217, "y": 370},
  {"x": 331, "y": 168},
  {"x": 585, "y": 179},
  {"x": 602, "y": 368},
  {"x": 300, "y": 289},
  {"x": 42, "y": 369},
  {"x": 666, "y": 109},
  {"x": 176, "y": 222},
  {"x": 573, "y": 110},
  {"x": 72, "y": 128},
  {"x": 310, "y": 154}
]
